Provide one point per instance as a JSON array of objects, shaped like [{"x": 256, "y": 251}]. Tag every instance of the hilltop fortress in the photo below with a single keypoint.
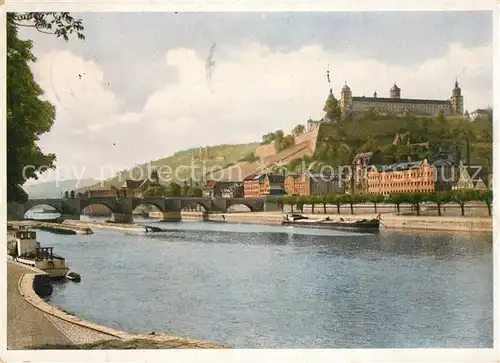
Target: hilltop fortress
[{"x": 350, "y": 105}]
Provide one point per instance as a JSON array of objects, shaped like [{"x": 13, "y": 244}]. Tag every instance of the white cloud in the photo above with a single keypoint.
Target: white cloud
[{"x": 254, "y": 90}]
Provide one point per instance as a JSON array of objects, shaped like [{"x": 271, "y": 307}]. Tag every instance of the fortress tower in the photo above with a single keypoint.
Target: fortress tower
[
  {"x": 457, "y": 100},
  {"x": 395, "y": 91},
  {"x": 345, "y": 100}
]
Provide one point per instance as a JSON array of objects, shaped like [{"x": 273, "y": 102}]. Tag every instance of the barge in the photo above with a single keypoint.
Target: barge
[{"x": 363, "y": 225}]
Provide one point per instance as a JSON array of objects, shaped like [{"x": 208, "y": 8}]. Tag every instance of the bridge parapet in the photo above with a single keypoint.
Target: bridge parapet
[{"x": 123, "y": 207}]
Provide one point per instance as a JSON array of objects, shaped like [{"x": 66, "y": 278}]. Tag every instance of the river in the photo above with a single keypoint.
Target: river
[{"x": 254, "y": 286}]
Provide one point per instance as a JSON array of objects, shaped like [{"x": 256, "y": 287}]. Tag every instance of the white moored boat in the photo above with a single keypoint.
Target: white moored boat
[{"x": 30, "y": 253}]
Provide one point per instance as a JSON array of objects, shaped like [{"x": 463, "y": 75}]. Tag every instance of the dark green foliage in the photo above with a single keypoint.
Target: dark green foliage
[
  {"x": 174, "y": 190},
  {"x": 281, "y": 141},
  {"x": 440, "y": 198},
  {"x": 195, "y": 192},
  {"x": 250, "y": 158},
  {"x": 332, "y": 109},
  {"x": 156, "y": 191},
  {"x": 28, "y": 116},
  {"x": 339, "y": 142},
  {"x": 298, "y": 130}
]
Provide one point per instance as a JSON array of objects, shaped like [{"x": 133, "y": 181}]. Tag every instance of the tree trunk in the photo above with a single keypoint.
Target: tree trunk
[
  {"x": 312, "y": 208},
  {"x": 439, "y": 209},
  {"x": 291, "y": 208},
  {"x": 375, "y": 205},
  {"x": 397, "y": 207},
  {"x": 352, "y": 208},
  {"x": 489, "y": 208},
  {"x": 417, "y": 208},
  {"x": 324, "y": 207},
  {"x": 462, "y": 207},
  {"x": 338, "y": 208}
]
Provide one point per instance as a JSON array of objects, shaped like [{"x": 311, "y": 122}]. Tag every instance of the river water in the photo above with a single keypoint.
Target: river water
[{"x": 254, "y": 286}]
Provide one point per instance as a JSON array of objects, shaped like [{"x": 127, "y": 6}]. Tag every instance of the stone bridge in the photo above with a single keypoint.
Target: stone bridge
[{"x": 71, "y": 208}]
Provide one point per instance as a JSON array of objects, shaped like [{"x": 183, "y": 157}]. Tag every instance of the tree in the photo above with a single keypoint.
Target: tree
[
  {"x": 463, "y": 196},
  {"x": 376, "y": 198},
  {"x": 174, "y": 190},
  {"x": 185, "y": 189},
  {"x": 487, "y": 197},
  {"x": 250, "y": 158},
  {"x": 332, "y": 109},
  {"x": 352, "y": 199},
  {"x": 337, "y": 199},
  {"x": 440, "y": 198},
  {"x": 28, "y": 116},
  {"x": 291, "y": 201},
  {"x": 278, "y": 200},
  {"x": 155, "y": 191},
  {"x": 301, "y": 201},
  {"x": 314, "y": 199},
  {"x": 416, "y": 199},
  {"x": 72, "y": 194},
  {"x": 324, "y": 201},
  {"x": 66, "y": 194},
  {"x": 268, "y": 138},
  {"x": 195, "y": 192},
  {"x": 298, "y": 130},
  {"x": 397, "y": 199}
]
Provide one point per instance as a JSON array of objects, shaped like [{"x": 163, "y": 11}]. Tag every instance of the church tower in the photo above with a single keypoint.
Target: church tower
[
  {"x": 345, "y": 100},
  {"x": 457, "y": 100},
  {"x": 330, "y": 96},
  {"x": 154, "y": 176}
]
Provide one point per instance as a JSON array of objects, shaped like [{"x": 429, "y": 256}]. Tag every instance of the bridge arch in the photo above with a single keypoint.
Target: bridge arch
[
  {"x": 94, "y": 201},
  {"x": 144, "y": 209},
  {"x": 237, "y": 207},
  {"x": 189, "y": 205},
  {"x": 30, "y": 208},
  {"x": 96, "y": 210},
  {"x": 255, "y": 205},
  {"x": 148, "y": 204}
]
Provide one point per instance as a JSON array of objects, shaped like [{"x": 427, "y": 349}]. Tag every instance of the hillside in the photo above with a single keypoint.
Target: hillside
[
  {"x": 216, "y": 157},
  {"x": 395, "y": 138},
  {"x": 55, "y": 189},
  {"x": 304, "y": 147}
]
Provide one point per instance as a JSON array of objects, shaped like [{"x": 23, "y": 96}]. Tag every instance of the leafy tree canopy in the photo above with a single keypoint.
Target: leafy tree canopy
[{"x": 28, "y": 116}]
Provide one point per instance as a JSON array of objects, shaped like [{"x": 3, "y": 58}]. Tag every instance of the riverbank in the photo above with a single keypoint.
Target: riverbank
[
  {"x": 388, "y": 221},
  {"x": 51, "y": 227},
  {"x": 32, "y": 323}
]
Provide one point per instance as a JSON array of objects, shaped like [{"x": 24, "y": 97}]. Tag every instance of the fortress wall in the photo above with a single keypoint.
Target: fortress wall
[
  {"x": 310, "y": 136},
  {"x": 423, "y": 109},
  {"x": 265, "y": 151}
]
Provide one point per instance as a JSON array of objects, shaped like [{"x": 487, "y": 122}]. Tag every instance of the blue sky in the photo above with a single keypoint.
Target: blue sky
[{"x": 145, "y": 73}]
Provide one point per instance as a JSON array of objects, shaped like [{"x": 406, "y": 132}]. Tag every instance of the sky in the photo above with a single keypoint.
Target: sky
[{"x": 137, "y": 88}]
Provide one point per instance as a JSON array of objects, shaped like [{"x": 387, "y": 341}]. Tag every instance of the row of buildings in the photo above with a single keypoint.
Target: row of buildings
[{"x": 360, "y": 178}]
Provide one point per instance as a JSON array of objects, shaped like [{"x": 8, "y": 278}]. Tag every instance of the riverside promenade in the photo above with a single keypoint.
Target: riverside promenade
[
  {"x": 27, "y": 327},
  {"x": 388, "y": 221},
  {"x": 32, "y": 323}
]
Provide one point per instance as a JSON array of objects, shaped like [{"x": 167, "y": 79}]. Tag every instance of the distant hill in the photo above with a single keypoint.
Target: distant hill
[
  {"x": 54, "y": 189},
  {"x": 182, "y": 165}
]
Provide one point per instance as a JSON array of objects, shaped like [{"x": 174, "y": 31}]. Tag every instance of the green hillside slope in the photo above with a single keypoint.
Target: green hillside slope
[{"x": 179, "y": 167}]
